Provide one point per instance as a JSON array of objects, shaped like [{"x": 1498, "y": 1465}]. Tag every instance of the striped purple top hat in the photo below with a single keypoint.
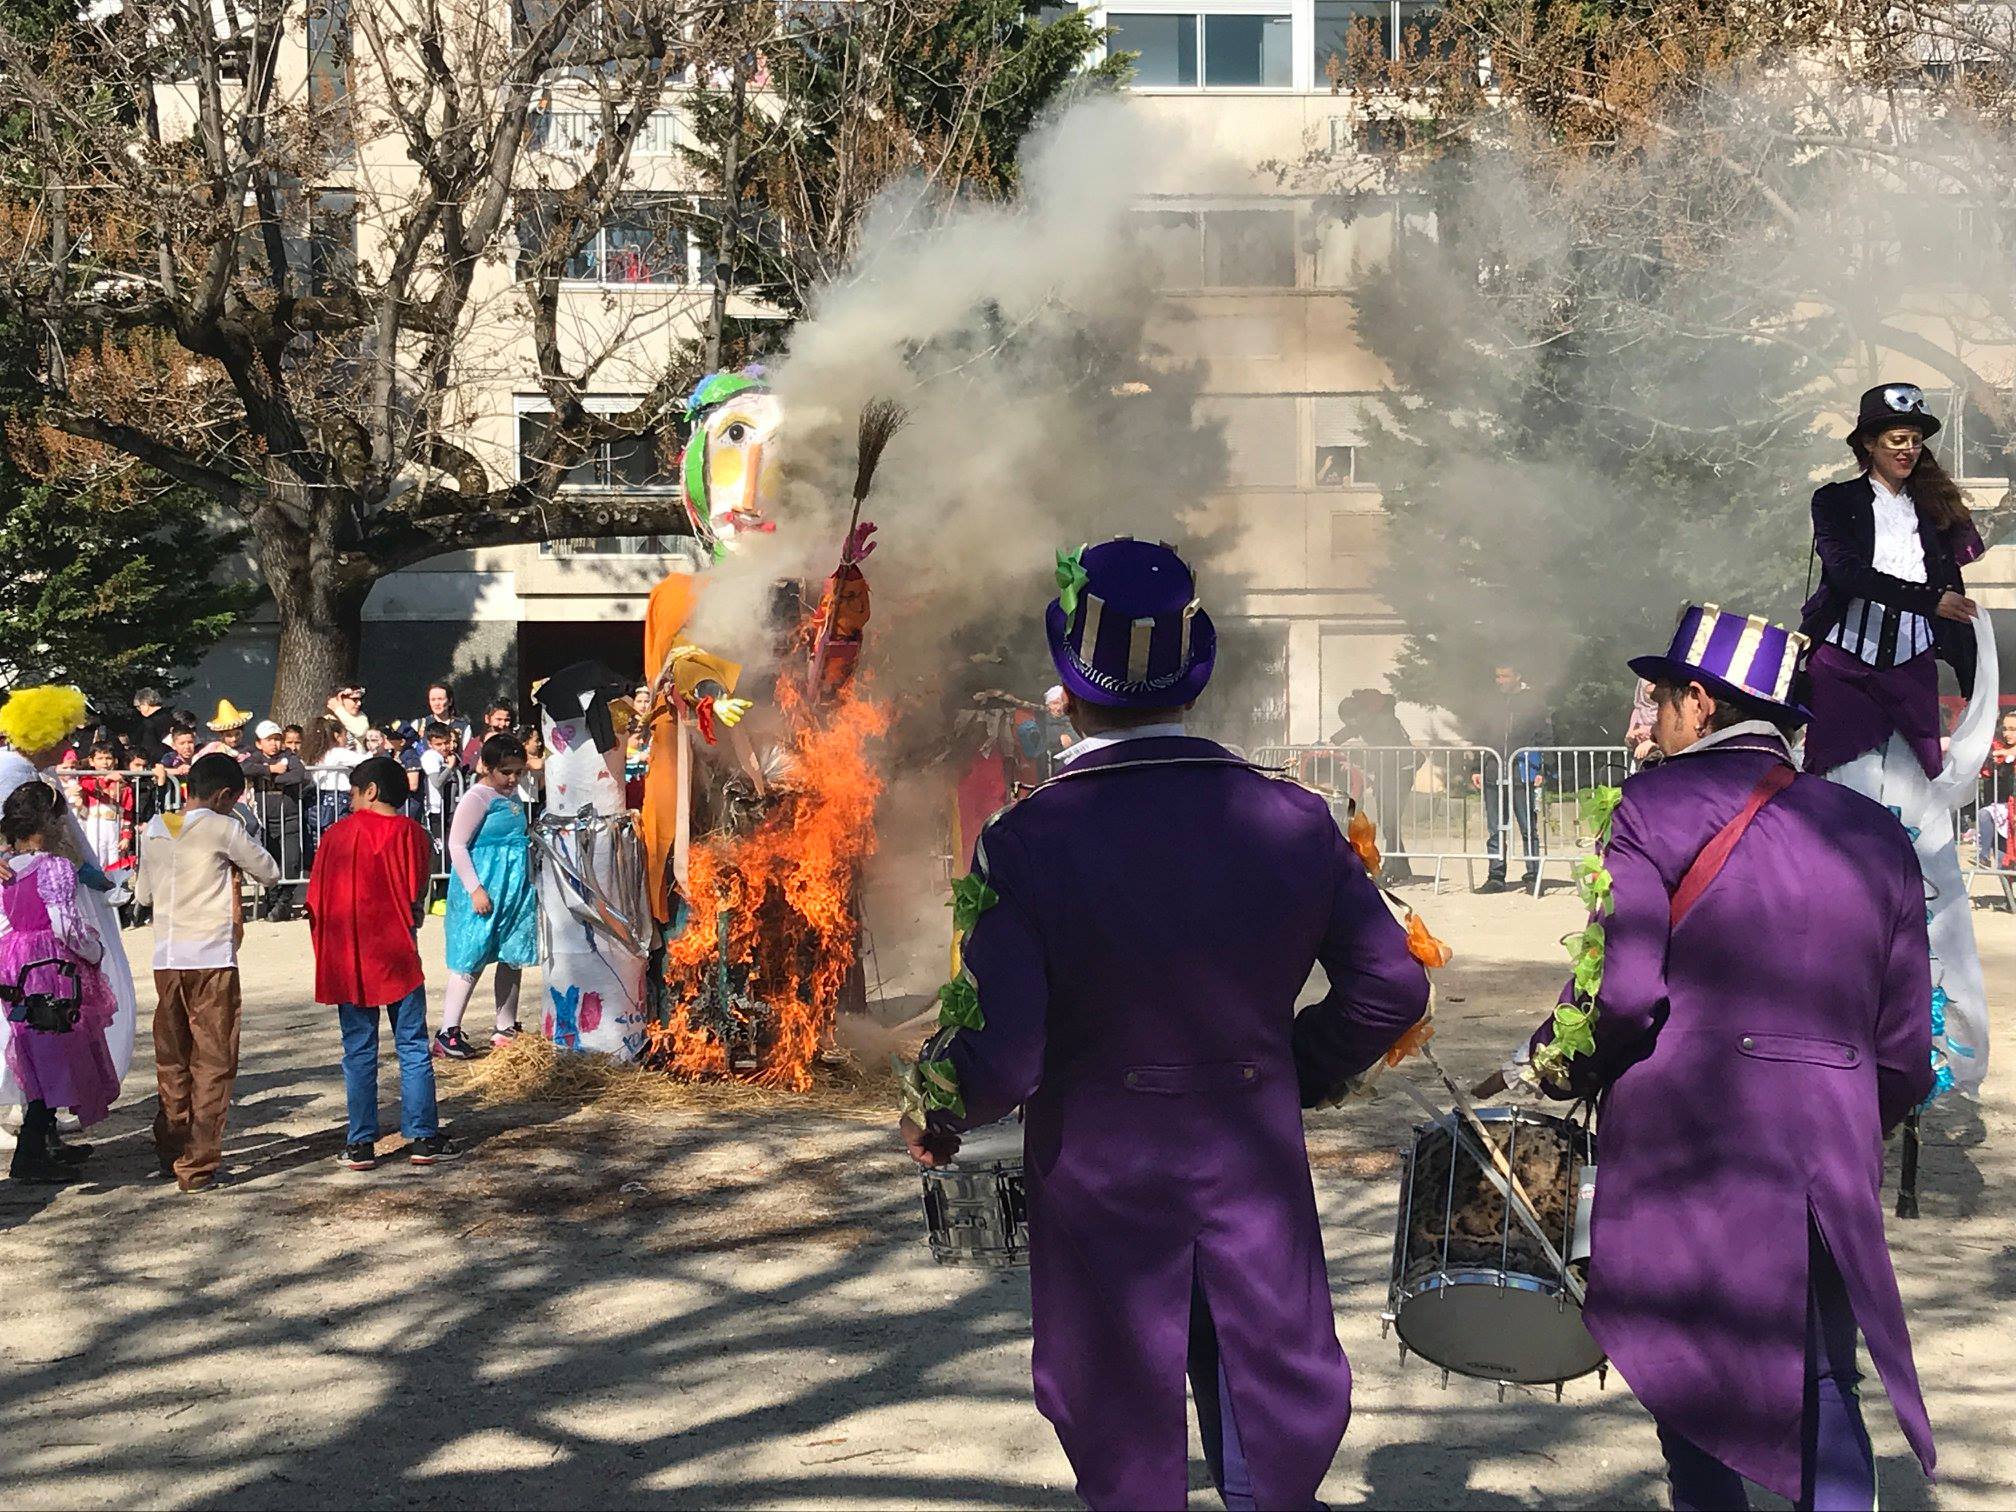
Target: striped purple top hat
[
  {"x": 1126, "y": 629},
  {"x": 1746, "y": 658}
]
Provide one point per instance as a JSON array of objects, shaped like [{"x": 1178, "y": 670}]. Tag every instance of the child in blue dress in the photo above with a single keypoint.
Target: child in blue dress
[{"x": 492, "y": 914}]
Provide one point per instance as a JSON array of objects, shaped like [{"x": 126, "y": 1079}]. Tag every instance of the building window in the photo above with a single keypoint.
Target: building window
[
  {"x": 328, "y": 36},
  {"x": 1967, "y": 445},
  {"x": 1367, "y": 233},
  {"x": 1378, "y": 29},
  {"x": 1221, "y": 248},
  {"x": 1183, "y": 49},
  {"x": 596, "y": 32},
  {"x": 645, "y": 463},
  {"x": 642, "y": 241},
  {"x": 1341, "y": 429},
  {"x": 332, "y": 240}
]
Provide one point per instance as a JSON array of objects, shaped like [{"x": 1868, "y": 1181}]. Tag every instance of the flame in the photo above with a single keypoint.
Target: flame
[{"x": 792, "y": 886}]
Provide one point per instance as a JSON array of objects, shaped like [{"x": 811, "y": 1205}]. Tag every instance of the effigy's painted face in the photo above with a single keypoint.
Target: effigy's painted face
[{"x": 741, "y": 461}]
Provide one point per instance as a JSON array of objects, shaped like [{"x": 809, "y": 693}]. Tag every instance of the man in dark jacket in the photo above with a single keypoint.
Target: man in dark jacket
[
  {"x": 1513, "y": 722},
  {"x": 277, "y": 784},
  {"x": 1369, "y": 719}
]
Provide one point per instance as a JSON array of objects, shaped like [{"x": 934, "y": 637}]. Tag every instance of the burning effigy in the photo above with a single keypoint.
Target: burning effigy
[{"x": 715, "y": 933}]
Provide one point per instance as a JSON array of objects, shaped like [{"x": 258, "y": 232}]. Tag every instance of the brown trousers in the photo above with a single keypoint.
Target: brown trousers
[{"x": 195, "y": 1061}]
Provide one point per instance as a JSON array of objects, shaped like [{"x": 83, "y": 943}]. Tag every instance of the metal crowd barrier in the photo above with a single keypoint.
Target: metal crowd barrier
[
  {"x": 1547, "y": 784},
  {"x": 113, "y": 809},
  {"x": 1983, "y": 830},
  {"x": 1430, "y": 804}
]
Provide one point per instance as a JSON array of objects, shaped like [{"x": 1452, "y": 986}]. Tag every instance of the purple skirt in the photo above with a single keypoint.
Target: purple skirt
[
  {"x": 1857, "y": 708},
  {"x": 71, "y": 1070}
]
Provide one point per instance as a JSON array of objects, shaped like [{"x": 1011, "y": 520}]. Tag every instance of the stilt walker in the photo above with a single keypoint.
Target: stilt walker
[{"x": 1891, "y": 604}]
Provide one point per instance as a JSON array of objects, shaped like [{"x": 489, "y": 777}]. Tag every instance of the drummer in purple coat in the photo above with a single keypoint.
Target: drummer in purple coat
[
  {"x": 1145, "y": 922},
  {"x": 1749, "y": 1060}
]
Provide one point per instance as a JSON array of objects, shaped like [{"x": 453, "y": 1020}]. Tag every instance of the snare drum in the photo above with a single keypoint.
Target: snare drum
[
  {"x": 1471, "y": 1290},
  {"x": 974, "y": 1208}
]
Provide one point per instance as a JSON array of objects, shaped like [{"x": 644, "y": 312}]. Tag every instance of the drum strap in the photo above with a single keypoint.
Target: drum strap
[{"x": 1708, "y": 865}]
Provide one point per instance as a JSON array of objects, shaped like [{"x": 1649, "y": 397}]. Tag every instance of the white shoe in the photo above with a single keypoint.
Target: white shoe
[{"x": 68, "y": 1122}]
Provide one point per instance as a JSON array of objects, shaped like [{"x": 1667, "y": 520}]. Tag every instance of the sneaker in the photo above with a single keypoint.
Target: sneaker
[
  {"x": 1493, "y": 885},
  {"x": 198, "y": 1184},
  {"x": 427, "y": 1151},
  {"x": 502, "y": 1037},
  {"x": 358, "y": 1157},
  {"x": 449, "y": 1044}
]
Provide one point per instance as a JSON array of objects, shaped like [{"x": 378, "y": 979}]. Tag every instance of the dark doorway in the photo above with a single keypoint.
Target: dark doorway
[{"x": 545, "y": 646}]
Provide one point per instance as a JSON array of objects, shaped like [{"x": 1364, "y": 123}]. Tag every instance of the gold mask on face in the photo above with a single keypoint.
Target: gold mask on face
[{"x": 1900, "y": 439}]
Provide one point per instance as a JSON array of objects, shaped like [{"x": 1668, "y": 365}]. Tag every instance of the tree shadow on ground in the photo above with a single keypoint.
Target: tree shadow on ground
[{"x": 736, "y": 1309}]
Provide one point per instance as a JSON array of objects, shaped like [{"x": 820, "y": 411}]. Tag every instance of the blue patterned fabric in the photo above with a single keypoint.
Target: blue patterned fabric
[{"x": 510, "y": 931}]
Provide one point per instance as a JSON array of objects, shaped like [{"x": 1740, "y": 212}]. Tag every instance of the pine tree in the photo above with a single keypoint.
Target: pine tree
[{"x": 112, "y": 590}]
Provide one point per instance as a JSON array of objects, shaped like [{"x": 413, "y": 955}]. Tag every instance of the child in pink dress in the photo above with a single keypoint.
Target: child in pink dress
[{"x": 54, "y": 1068}]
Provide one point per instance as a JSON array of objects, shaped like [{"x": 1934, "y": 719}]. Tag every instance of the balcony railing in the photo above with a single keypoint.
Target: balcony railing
[{"x": 571, "y": 131}]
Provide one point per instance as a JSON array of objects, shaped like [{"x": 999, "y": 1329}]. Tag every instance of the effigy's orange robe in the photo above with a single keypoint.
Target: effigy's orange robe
[{"x": 671, "y": 606}]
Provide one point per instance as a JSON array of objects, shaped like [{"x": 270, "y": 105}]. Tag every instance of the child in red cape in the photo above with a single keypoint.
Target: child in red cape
[{"x": 366, "y": 896}]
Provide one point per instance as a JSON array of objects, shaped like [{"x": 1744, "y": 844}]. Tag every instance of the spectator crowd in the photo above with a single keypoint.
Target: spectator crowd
[{"x": 297, "y": 776}]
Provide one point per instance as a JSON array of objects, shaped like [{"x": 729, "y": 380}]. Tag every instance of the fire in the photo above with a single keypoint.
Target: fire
[{"x": 790, "y": 890}]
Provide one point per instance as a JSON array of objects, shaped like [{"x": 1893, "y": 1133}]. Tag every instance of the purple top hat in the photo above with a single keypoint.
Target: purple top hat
[
  {"x": 1126, "y": 629},
  {"x": 1745, "y": 658}
]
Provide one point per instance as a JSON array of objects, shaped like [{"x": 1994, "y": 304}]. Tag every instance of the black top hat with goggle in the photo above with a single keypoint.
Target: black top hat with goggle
[{"x": 1891, "y": 404}]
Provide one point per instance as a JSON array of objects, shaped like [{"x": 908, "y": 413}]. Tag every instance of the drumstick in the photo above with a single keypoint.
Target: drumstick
[{"x": 1503, "y": 1179}]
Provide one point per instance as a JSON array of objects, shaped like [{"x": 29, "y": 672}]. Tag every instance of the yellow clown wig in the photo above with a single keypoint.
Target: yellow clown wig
[{"x": 34, "y": 719}]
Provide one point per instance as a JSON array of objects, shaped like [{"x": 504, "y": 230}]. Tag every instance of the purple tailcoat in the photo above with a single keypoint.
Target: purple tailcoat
[
  {"x": 1751, "y": 1063},
  {"x": 1160, "y": 909}
]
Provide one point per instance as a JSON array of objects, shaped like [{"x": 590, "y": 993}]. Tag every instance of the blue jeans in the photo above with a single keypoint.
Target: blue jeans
[
  {"x": 417, "y": 1117},
  {"x": 1525, "y": 800},
  {"x": 319, "y": 812}
]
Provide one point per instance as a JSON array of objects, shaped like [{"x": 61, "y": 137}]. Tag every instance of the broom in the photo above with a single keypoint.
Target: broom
[{"x": 880, "y": 420}]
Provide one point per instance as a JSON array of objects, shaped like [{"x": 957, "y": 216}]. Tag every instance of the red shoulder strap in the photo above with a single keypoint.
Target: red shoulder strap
[{"x": 1708, "y": 865}]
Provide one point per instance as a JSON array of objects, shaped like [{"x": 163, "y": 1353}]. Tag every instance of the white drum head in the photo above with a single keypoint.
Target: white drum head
[
  {"x": 991, "y": 1142},
  {"x": 1497, "y": 1327}
]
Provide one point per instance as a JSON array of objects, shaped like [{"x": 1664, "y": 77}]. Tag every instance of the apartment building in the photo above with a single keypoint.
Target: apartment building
[{"x": 1260, "y": 279}]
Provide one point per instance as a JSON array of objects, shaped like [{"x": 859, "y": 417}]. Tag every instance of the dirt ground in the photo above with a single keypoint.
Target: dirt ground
[{"x": 738, "y": 1309}]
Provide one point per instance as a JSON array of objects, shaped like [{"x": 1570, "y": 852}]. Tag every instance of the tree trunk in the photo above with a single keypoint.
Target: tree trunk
[
  {"x": 317, "y": 655},
  {"x": 318, "y": 596}
]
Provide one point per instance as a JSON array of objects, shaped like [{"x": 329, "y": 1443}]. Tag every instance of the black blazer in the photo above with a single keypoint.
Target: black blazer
[{"x": 1844, "y": 537}]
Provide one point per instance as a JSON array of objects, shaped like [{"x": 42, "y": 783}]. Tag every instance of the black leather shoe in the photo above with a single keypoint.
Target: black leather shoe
[{"x": 40, "y": 1170}]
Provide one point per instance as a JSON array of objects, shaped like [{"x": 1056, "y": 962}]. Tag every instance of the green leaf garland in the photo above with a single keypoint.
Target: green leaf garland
[
  {"x": 971, "y": 897},
  {"x": 959, "y": 1004},
  {"x": 1574, "y": 1026}
]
